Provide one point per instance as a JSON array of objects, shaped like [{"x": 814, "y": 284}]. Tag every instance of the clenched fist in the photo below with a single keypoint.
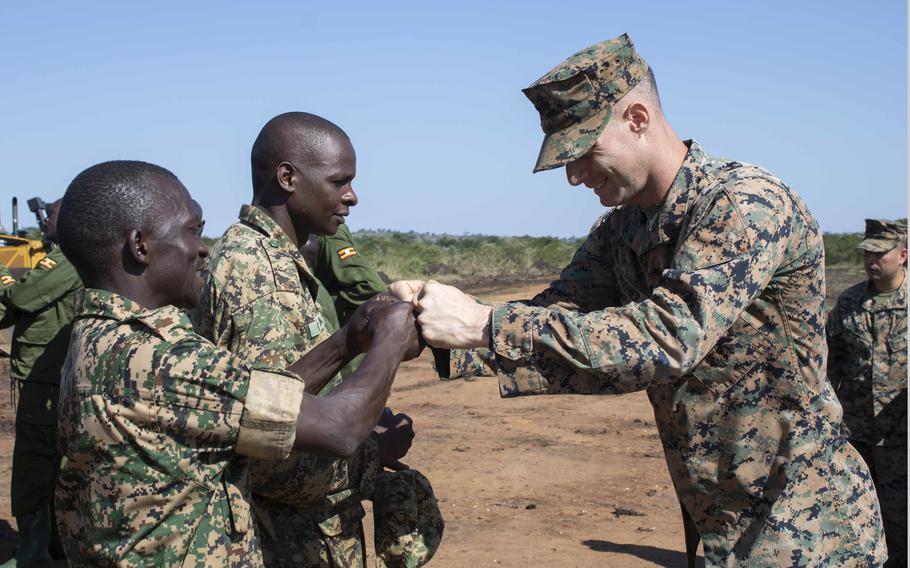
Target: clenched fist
[{"x": 450, "y": 319}]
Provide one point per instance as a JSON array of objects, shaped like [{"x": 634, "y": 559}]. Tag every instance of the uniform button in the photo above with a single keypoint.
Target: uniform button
[
  {"x": 290, "y": 357},
  {"x": 274, "y": 244}
]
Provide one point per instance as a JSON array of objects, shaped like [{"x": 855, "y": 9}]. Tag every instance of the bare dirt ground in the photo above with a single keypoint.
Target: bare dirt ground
[{"x": 531, "y": 481}]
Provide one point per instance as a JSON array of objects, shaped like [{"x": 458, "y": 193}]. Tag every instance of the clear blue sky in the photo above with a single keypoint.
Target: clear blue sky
[{"x": 430, "y": 95}]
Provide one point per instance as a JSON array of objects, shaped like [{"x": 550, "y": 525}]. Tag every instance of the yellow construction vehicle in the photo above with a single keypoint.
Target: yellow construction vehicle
[{"x": 18, "y": 252}]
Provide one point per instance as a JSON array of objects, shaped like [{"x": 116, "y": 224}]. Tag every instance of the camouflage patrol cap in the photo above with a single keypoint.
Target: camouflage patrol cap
[
  {"x": 408, "y": 525},
  {"x": 882, "y": 235},
  {"x": 575, "y": 99}
]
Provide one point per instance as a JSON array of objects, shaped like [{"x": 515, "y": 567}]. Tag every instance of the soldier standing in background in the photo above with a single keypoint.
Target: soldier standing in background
[
  {"x": 867, "y": 364},
  {"x": 42, "y": 305}
]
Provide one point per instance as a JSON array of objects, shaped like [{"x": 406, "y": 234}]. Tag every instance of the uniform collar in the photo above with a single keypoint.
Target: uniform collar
[
  {"x": 277, "y": 239},
  {"x": 662, "y": 224},
  {"x": 168, "y": 322}
]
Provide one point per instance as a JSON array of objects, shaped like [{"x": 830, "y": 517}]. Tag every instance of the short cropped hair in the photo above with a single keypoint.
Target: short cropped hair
[
  {"x": 102, "y": 204},
  {"x": 292, "y": 136}
]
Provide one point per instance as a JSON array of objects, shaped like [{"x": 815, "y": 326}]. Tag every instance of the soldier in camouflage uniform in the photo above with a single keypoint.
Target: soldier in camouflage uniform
[
  {"x": 154, "y": 417},
  {"x": 705, "y": 287},
  {"x": 867, "y": 364},
  {"x": 41, "y": 304},
  {"x": 259, "y": 303}
]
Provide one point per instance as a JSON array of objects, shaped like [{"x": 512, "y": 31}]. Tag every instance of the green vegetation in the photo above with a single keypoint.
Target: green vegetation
[
  {"x": 840, "y": 249},
  {"x": 449, "y": 258}
]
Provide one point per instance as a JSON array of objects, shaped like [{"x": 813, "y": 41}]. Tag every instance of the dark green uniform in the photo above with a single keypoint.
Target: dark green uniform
[
  {"x": 42, "y": 303},
  {"x": 347, "y": 279}
]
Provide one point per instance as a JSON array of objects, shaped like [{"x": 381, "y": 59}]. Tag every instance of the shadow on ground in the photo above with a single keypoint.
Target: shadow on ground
[{"x": 659, "y": 556}]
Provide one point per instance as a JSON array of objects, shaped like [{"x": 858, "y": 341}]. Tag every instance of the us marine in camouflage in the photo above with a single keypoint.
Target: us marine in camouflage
[
  {"x": 259, "y": 303},
  {"x": 41, "y": 305},
  {"x": 705, "y": 287},
  {"x": 154, "y": 418},
  {"x": 867, "y": 364}
]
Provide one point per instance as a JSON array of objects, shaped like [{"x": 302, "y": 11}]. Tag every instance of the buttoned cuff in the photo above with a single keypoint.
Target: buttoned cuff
[
  {"x": 268, "y": 424},
  {"x": 512, "y": 342}
]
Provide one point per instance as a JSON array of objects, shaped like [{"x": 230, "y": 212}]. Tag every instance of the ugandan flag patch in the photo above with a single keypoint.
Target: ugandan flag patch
[
  {"x": 6, "y": 280},
  {"x": 347, "y": 253},
  {"x": 47, "y": 263}
]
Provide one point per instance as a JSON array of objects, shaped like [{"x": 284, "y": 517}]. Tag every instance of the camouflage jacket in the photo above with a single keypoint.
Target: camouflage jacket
[
  {"x": 867, "y": 363},
  {"x": 150, "y": 416},
  {"x": 42, "y": 303},
  {"x": 258, "y": 302},
  {"x": 713, "y": 303}
]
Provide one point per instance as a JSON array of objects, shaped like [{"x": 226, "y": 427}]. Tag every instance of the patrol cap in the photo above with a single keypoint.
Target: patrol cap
[
  {"x": 882, "y": 235},
  {"x": 575, "y": 99},
  {"x": 408, "y": 525}
]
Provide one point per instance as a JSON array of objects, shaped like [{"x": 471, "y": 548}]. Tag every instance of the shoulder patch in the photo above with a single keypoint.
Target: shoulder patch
[
  {"x": 347, "y": 253},
  {"x": 47, "y": 263},
  {"x": 6, "y": 280}
]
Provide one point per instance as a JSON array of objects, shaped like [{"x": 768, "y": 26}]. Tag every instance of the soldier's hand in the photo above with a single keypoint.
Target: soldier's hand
[
  {"x": 357, "y": 333},
  {"x": 396, "y": 323},
  {"x": 395, "y": 433},
  {"x": 450, "y": 319},
  {"x": 406, "y": 290}
]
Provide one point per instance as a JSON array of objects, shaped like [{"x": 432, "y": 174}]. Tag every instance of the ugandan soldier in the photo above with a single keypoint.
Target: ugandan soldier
[
  {"x": 259, "y": 302},
  {"x": 155, "y": 420},
  {"x": 407, "y": 523},
  {"x": 867, "y": 364},
  {"x": 704, "y": 286},
  {"x": 41, "y": 304}
]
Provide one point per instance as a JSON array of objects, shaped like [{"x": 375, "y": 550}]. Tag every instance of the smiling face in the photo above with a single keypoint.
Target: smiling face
[
  {"x": 176, "y": 250},
  {"x": 323, "y": 191},
  {"x": 612, "y": 167}
]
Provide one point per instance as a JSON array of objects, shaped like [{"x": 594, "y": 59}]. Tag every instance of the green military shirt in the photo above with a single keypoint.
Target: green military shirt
[
  {"x": 258, "y": 302},
  {"x": 42, "y": 304},
  {"x": 867, "y": 363},
  {"x": 712, "y": 303},
  {"x": 346, "y": 280},
  {"x": 347, "y": 276}
]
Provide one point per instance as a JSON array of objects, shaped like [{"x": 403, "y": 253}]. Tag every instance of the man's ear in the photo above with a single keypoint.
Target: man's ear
[
  {"x": 638, "y": 117},
  {"x": 138, "y": 247},
  {"x": 286, "y": 176}
]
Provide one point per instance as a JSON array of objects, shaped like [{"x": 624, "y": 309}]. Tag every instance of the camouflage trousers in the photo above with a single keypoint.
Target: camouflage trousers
[
  {"x": 315, "y": 518},
  {"x": 888, "y": 465}
]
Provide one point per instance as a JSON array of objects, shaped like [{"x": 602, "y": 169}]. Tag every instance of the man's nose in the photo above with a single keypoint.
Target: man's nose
[
  {"x": 575, "y": 172},
  {"x": 349, "y": 198}
]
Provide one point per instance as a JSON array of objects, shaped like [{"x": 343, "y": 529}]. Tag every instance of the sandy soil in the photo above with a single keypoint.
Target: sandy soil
[{"x": 533, "y": 481}]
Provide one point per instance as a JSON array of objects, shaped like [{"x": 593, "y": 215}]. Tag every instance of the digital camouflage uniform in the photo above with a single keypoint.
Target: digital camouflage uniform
[
  {"x": 151, "y": 416},
  {"x": 867, "y": 364},
  {"x": 41, "y": 304},
  {"x": 407, "y": 523},
  {"x": 258, "y": 303},
  {"x": 712, "y": 302}
]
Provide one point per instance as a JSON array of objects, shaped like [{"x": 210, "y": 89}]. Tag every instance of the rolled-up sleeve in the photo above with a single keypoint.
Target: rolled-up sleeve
[{"x": 269, "y": 419}]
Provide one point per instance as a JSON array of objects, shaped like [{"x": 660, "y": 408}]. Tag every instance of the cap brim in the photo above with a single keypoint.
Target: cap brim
[
  {"x": 568, "y": 144},
  {"x": 877, "y": 245}
]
